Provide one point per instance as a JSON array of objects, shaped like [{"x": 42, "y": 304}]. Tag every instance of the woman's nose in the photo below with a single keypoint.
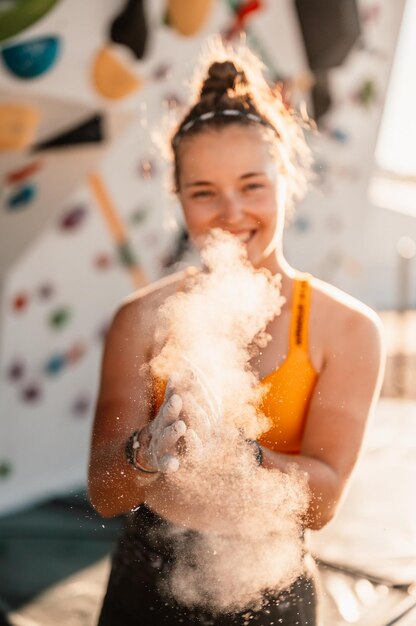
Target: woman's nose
[{"x": 231, "y": 208}]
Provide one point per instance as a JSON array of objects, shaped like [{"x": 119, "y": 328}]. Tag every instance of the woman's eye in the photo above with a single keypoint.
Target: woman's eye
[
  {"x": 253, "y": 186},
  {"x": 203, "y": 194}
]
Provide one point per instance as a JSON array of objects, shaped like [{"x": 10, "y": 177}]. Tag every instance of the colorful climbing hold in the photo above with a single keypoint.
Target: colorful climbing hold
[
  {"x": 55, "y": 364},
  {"x": 90, "y": 131},
  {"x": 243, "y": 10},
  {"x": 139, "y": 216},
  {"x": 147, "y": 169},
  {"x": 21, "y": 198},
  {"x": 32, "y": 58},
  {"x": 76, "y": 352},
  {"x": 81, "y": 405},
  {"x": 18, "y": 126},
  {"x": 19, "y": 175},
  {"x": 59, "y": 317},
  {"x": 111, "y": 77},
  {"x": 31, "y": 393},
  {"x": 45, "y": 291},
  {"x": 20, "y": 301},
  {"x": 18, "y": 15},
  {"x": 73, "y": 218},
  {"x": 161, "y": 71},
  {"x": 366, "y": 94},
  {"x": 16, "y": 371},
  {"x": 126, "y": 254},
  {"x": 103, "y": 261},
  {"x": 187, "y": 18},
  {"x": 338, "y": 134},
  {"x": 129, "y": 28}
]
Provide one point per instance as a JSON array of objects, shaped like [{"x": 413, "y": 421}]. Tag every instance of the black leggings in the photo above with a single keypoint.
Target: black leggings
[{"x": 140, "y": 564}]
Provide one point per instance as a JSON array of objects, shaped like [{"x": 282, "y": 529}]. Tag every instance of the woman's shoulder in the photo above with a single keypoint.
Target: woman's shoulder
[
  {"x": 153, "y": 294},
  {"x": 341, "y": 311},
  {"x": 351, "y": 338},
  {"x": 135, "y": 317}
]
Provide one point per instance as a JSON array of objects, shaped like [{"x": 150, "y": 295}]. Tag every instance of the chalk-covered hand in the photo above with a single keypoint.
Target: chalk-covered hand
[
  {"x": 159, "y": 446},
  {"x": 183, "y": 421},
  {"x": 204, "y": 405}
]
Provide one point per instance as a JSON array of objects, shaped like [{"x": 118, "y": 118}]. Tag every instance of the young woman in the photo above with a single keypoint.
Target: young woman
[{"x": 239, "y": 159}]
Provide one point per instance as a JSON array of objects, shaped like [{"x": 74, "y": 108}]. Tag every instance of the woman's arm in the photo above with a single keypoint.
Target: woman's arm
[
  {"x": 343, "y": 399},
  {"x": 123, "y": 406}
]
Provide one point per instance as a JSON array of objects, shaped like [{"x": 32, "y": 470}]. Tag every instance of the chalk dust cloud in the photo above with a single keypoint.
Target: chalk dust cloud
[{"x": 210, "y": 331}]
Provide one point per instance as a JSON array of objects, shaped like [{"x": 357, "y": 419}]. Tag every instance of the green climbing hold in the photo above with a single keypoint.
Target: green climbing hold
[
  {"x": 20, "y": 14},
  {"x": 59, "y": 317}
]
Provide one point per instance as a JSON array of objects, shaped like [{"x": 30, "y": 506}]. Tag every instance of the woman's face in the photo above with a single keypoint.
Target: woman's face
[{"x": 229, "y": 179}]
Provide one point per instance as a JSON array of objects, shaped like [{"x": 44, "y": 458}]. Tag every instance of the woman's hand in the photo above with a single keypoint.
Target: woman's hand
[
  {"x": 159, "y": 446},
  {"x": 173, "y": 432}
]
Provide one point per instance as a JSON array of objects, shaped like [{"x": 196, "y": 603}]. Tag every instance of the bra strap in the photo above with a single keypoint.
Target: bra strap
[{"x": 299, "y": 327}]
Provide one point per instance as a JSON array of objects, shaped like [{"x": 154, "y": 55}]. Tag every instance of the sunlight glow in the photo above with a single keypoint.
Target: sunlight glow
[
  {"x": 396, "y": 145},
  {"x": 394, "y": 185}
]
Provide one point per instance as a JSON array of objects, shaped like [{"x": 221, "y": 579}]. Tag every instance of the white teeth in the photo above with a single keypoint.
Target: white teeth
[{"x": 243, "y": 237}]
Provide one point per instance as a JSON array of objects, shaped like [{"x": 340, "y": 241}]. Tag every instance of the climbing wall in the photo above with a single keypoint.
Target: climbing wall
[{"x": 88, "y": 91}]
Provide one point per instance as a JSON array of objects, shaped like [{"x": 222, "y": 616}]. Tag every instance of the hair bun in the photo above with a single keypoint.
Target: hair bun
[{"x": 222, "y": 77}]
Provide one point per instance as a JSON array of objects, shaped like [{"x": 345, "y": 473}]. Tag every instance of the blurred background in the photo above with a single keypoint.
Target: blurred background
[{"x": 87, "y": 90}]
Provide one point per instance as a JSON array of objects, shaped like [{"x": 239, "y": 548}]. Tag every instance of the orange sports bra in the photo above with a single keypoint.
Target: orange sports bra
[{"x": 289, "y": 388}]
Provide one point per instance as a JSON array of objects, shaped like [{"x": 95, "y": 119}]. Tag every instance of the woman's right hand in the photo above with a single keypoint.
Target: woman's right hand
[{"x": 159, "y": 447}]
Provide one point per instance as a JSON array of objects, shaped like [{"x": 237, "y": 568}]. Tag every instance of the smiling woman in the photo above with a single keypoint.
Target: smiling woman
[{"x": 240, "y": 161}]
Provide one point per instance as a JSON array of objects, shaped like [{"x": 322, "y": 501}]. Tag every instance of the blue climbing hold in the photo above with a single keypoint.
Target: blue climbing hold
[
  {"x": 55, "y": 364},
  {"x": 22, "y": 197},
  {"x": 32, "y": 58}
]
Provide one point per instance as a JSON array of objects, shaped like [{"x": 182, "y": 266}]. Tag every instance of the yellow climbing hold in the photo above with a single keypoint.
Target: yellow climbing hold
[
  {"x": 18, "y": 125},
  {"x": 111, "y": 77},
  {"x": 188, "y": 17}
]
